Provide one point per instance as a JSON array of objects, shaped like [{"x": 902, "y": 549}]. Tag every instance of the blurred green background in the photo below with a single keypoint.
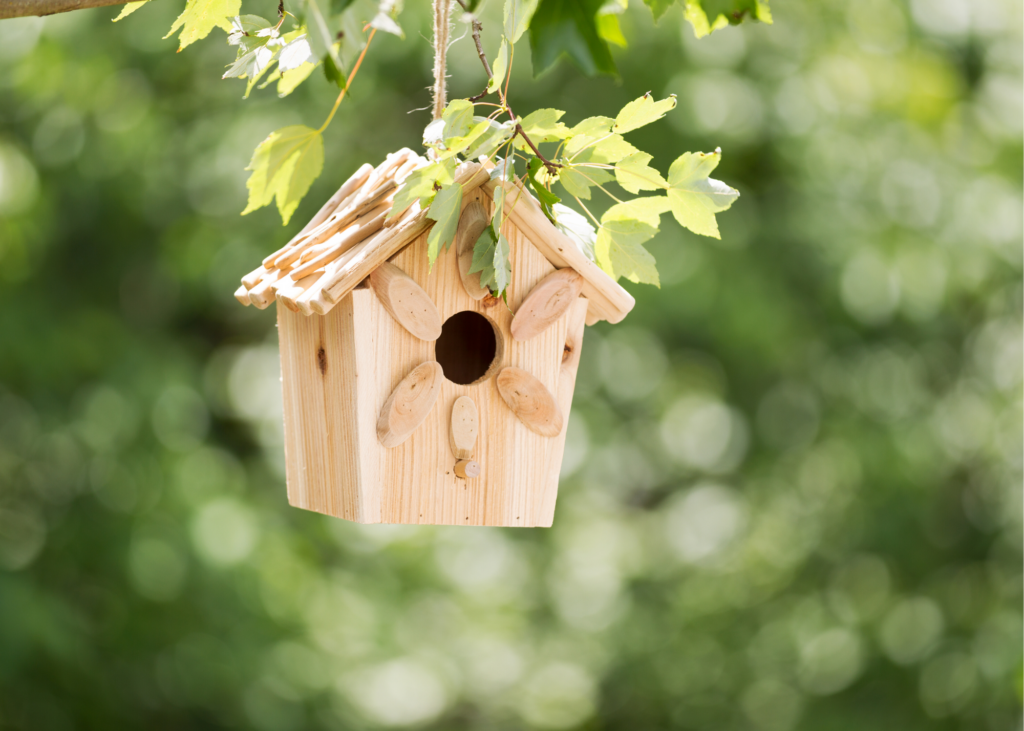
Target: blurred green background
[{"x": 792, "y": 491}]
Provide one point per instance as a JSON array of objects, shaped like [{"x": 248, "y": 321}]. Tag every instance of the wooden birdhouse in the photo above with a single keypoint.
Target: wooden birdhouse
[{"x": 411, "y": 395}]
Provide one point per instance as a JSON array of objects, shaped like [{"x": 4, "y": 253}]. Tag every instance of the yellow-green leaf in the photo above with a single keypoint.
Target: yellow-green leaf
[
  {"x": 445, "y": 211},
  {"x": 499, "y": 68},
  {"x": 578, "y": 180},
  {"x": 589, "y": 130},
  {"x": 283, "y": 166},
  {"x": 635, "y": 174},
  {"x": 456, "y": 145},
  {"x": 542, "y": 126},
  {"x": 420, "y": 186},
  {"x": 607, "y": 149},
  {"x": 608, "y": 28},
  {"x": 642, "y": 111},
  {"x": 291, "y": 79},
  {"x": 200, "y": 17},
  {"x": 458, "y": 118},
  {"x": 619, "y": 246},
  {"x": 694, "y": 196},
  {"x": 129, "y": 8}
]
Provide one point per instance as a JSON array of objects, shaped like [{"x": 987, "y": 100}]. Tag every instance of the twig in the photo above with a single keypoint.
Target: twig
[
  {"x": 551, "y": 166},
  {"x": 21, "y": 8},
  {"x": 477, "y": 27}
]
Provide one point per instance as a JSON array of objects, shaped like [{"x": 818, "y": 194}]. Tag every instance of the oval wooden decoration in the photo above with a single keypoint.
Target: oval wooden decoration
[
  {"x": 546, "y": 302},
  {"x": 530, "y": 401},
  {"x": 409, "y": 404},
  {"x": 406, "y": 301},
  {"x": 473, "y": 222},
  {"x": 465, "y": 427}
]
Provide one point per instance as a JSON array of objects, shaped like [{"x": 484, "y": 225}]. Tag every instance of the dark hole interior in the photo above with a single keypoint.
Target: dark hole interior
[{"x": 466, "y": 348}]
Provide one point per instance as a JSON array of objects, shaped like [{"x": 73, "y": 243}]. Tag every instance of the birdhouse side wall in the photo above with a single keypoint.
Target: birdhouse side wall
[{"x": 322, "y": 400}]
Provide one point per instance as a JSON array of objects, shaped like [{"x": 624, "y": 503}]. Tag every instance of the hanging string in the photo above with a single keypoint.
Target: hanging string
[{"x": 442, "y": 28}]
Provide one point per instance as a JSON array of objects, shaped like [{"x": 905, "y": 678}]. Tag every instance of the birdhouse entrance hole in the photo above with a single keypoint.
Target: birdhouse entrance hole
[{"x": 468, "y": 346}]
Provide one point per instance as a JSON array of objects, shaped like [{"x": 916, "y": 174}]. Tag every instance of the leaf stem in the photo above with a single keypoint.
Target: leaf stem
[
  {"x": 598, "y": 185},
  {"x": 587, "y": 211},
  {"x": 348, "y": 83}
]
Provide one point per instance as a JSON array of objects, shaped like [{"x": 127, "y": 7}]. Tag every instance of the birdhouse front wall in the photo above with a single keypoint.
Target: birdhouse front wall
[{"x": 339, "y": 369}]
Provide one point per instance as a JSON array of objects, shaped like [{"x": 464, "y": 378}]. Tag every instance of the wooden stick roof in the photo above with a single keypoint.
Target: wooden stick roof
[{"x": 349, "y": 238}]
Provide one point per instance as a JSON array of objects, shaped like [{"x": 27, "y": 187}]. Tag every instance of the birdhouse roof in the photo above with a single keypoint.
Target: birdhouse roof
[{"x": 350, "y": 237}]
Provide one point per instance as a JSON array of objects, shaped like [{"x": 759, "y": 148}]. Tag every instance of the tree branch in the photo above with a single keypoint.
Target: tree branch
[
  {"x": 22, "y": 8},
  {"x": 551, "y": 166},
  {"x": 477, "y": 27}
]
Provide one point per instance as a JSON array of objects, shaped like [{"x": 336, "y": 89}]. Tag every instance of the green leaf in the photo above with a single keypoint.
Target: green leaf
[
  {"x": 334, "y": 74},
  {"x": 502, "y": 266},
  {"x": 445, "y": 211},
  {"x": 619, "y": 247},
  {"x": 707, "y": 16},
  {"x": 499, "y": 208},
  {"x": 250, "y": 31},
  {"x": 129, "y": 8},
  {"x": 200, "y": 17},
  {"x": 456, "y": 145},
  {"x": 496, "y": 134},
  {"x": 322, "y": 34},
  {"x": 641, "y": 112},
  {"x": 569, "y": 28},
  {"x": 608, "y": 28},
  {"x": 458, "y": 118},
  {"x": 421, "y": 185},
  {"x": 499, "y": 68},
  {"x": 518, "y": 14},
  {"x": 546, "y": 197},
  {"x": 542, "y": 126},
  {"x": 258, "y": 46},
  {"x": 635, "y": 174},
  {"x": 483, "y": 257},
  {"x": 339, "y": 6},
  {"x": 659, "y": 7},
  {"x": 696, "y": 198},
  {"x": 251, "y": 64},
  {"x": 283, "y": 166}
]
